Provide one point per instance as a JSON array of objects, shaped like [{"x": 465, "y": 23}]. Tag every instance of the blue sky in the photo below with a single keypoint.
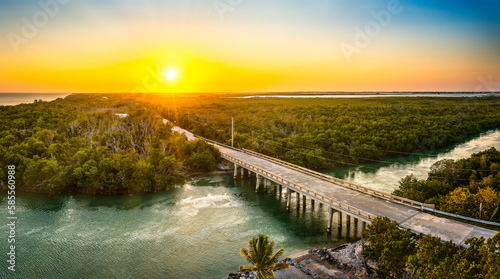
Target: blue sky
[{"x": 458, "y": 40}]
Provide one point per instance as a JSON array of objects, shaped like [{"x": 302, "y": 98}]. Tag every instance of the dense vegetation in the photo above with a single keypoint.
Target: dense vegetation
[
  {"x": 397, "y": 252},
  {"x": 324, "y": 133},
  {"x": 463, "y": 187},
  {"x": 79, "y": 144}
]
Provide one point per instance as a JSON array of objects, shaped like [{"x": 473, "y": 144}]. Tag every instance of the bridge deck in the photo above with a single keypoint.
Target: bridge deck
[{"x": 408, "y": 217}]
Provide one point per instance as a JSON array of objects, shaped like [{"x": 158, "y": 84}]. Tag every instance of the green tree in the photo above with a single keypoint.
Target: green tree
[
  {"x": 430, "y": 253},
  {"x": 461, "y": 201},
  {"x": 260, "y": 255},
  {"x": 389, "y": 246},
  {"x": 491, "y": 266}
]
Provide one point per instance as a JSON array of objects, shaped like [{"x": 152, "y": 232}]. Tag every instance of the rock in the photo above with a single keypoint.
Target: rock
[{"x": 301, "y": 267}]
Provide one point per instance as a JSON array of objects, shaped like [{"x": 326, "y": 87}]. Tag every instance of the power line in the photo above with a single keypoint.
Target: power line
[
  {"x": 312, "y": 155},
  {"x": 461, "y": 179},
  {"x": 211, "y": 124}
]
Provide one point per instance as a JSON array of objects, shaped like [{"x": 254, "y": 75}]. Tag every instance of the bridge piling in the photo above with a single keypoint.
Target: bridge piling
[
  {"x": 330, "y": 220},
  {"x": 242, "y": 172},
  {"x": 304, "y": 202},
  {"x": 257, "y": 183},
  {"x": 235, "y": 174},
  {"x": 322, "y": 188},
  {"x": 288, "y": 198},
  {"x": 297, "y": 194}
]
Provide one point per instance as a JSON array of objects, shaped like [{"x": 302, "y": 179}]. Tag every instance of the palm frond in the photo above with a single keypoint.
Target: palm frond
[
  {"x": 247, "y": 268},
  {"x": 275, "y": 257},
  {"x": 280, "y": 266},
  {"x": 248, "y": 255},
  {"x": 260, "y": 254}
]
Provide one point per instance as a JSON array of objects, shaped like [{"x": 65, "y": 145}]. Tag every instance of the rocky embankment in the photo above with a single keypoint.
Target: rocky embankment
[
  {"x": 348, "y": 259},
  {"x": 342, "y": 262},
  {"x": 296, "y": 270}
]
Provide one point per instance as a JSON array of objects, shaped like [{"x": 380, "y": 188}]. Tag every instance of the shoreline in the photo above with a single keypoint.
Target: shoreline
[
  {"x": 176, "y": 184},
  {"x": 342, "y": 262}
]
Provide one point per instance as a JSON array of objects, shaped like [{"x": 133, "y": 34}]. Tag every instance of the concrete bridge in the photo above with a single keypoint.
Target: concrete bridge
[{"x": 343, "y": 198}]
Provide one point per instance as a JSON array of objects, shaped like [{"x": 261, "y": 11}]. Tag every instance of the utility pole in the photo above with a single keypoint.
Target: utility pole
[
  {"x": 232, "y": 131},
  {"x": 480, "y": 209}
]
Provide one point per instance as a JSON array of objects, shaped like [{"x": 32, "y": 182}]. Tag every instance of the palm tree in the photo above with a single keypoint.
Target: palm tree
[{"x": 260, "y": 255}]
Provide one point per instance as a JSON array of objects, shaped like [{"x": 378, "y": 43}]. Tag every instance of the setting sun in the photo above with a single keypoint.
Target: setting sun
[{"x": 171, "y": 75}]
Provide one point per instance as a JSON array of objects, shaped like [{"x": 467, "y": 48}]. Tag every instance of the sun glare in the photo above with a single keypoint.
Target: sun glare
[{"x": 171, "y": 75}]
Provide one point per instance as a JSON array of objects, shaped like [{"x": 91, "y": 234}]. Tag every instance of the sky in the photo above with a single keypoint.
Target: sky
[{"x": 73, "y": 46}]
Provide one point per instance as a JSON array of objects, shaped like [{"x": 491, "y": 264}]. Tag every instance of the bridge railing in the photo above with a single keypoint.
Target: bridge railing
[
  {"x": 353, "y": 211},
  {"x": 372, "y": 192},
  {"x": 218, "y": 143}
]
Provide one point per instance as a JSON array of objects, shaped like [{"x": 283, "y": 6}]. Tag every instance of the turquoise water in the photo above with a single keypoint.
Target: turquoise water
[
  {"x": 193, "y": 231},
  {"x": 385, "y": 176}
]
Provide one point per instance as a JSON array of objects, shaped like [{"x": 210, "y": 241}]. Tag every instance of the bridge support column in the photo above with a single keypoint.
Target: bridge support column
[
  {"x": 266, "y": 182},
  {"x": 257, "y": 184},
  {"x": 304, "y": 202},
  {"x": 340, "y": 219},
  {"x": 235, "y": 175},
  {"x": 249, "y": 173},
  {"x": 288, "y": 198},
  {"x": 330, "y": 220},
  {"x": 242, "y": 172},
  {"x": 348, "y": 225},
  {"x": 312, "y": 204},
  {"x": 297, "y": 194}
]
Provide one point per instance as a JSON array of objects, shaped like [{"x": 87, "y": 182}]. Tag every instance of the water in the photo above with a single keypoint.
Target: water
[
  {"x": 386, "y": 176},
  {"x": 193, "y": 231},
  {"x": 385, "y": 95},
  {"x": 12, "y": 99}
]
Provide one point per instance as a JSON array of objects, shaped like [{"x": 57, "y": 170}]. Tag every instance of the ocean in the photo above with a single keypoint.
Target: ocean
[{"x": 12, "y": 99}]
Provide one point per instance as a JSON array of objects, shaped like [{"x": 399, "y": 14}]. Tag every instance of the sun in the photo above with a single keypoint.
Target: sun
[{"x": 171, "y": 75}]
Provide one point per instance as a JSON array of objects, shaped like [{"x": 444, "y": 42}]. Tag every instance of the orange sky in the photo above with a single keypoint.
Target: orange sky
[{"x": 89, "y": 46}]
